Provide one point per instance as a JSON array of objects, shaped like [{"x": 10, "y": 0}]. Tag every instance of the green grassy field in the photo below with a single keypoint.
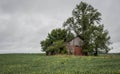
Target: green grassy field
[{"x": 60, "y": 64}]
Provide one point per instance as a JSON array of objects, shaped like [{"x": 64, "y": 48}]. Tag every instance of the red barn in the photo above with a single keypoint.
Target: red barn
[{"x": 75, "y": 46}]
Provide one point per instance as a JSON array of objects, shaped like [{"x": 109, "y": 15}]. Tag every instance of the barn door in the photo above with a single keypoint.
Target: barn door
[{"x": 77, "y": 50}]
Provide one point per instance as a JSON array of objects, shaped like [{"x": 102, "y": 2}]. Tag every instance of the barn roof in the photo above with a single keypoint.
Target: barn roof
[{"x": 76, "y": 42}]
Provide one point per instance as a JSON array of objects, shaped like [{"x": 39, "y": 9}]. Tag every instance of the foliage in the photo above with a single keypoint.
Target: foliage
[
  {"x": 55, "y": 41},
  {"x": 58, "y": 47},
  {"x": 85, "y": 22},
  {"x": 100, "y": 38},
  {"x": 65, "y": 64}
]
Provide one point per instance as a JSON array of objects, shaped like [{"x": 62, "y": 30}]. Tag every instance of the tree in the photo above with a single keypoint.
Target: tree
[
  {"x": 57, "y": 47},
  {"x": 55, "y": 41},
  {"x": 85, "y": 22},
  {"x": 100, "y": 39}
]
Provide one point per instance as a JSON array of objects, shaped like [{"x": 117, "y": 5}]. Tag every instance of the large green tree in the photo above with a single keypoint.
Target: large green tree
[
  {"x": 55, "y": 41},
  {"x": 86, "y": 23}
]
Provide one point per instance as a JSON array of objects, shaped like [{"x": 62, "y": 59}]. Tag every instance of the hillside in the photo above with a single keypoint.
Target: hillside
[{"x": 60, "y": 64}]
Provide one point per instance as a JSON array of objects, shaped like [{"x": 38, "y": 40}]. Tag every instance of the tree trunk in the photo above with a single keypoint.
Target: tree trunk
[{"x": 96, "y": 52}]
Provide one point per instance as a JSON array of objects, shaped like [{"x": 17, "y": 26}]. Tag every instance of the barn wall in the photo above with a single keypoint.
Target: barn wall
[{"x": 77, "y": 50}]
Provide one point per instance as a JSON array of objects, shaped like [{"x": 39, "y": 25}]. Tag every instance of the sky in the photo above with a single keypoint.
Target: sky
[{"x": 24, "y": 23}]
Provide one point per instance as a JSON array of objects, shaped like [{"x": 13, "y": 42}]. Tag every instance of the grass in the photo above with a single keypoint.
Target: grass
[{"x": 60, "y": 64}]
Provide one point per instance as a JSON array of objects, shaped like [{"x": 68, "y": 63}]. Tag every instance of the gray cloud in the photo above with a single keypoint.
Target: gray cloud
[{"x": 24, "y": 23}]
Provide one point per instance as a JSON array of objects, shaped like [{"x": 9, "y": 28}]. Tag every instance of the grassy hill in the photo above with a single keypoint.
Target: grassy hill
[{"x": 60, "y": 64}]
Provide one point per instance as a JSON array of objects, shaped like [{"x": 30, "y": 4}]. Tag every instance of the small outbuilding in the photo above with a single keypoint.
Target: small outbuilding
[{"x": 75, "y": 46}]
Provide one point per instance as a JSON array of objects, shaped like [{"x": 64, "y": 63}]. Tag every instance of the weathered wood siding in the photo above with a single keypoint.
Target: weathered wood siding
[{"x": 75, "y": 46}]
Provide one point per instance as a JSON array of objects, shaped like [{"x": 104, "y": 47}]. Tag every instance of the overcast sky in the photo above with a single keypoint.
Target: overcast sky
[{"x": 24, "y": 23}]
